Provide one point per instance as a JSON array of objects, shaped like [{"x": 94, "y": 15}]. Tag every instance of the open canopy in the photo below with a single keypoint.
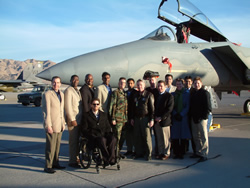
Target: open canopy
[{"x": 199, "y": 25}]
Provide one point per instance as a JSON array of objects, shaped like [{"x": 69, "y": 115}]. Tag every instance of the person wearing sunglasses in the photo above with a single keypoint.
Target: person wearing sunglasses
[{"x": 97, "y": 130}]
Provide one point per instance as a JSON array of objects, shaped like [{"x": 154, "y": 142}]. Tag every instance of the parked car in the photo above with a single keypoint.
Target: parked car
[{"x": 35, "y": 96}]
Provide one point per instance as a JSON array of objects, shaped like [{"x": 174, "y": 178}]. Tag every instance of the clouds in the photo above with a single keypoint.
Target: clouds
[
  {"x": 57, "y": 31},
  {"x": 46, "y": 41}
]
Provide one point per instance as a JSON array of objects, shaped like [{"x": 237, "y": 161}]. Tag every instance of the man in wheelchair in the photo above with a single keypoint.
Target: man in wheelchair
[{"x": 96, "y": 128}]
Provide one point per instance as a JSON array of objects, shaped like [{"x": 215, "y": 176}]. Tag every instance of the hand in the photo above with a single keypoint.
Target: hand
[
  {"x": 151, "y": 123},
  {"x": 158, "y": 119},
  {"x": 113, "y": 122},
  {"x": 132, "y": 122},
  {"x": 73, "y": 123},
  {"x": 50, "y": 130},
  {"x": 63, "y": 128}
]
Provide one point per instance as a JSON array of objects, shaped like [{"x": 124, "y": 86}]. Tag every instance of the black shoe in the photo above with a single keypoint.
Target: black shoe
[
  {"x": 122, "y": 156},
  {"x": 202, "y": 159},
  {"x": 106, "y": 165},
  {"x": 49, "y": 170},
  {"x": 138, "y": 156},
  {"x": 112, "y": 163},
  {"x": 75, "y": 165},
  {"x": 175, "y": 157},
  {"x": 181, "y": 157},
  {"x": 128, "y": 153},
  {"x": 58, "y": 167},
  {"x": 148, "y": 158},
  {"x": 194, "y": 156}
]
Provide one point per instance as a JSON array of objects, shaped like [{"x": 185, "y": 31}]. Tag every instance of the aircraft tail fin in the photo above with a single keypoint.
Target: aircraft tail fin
[{"x": 30, "y": 71}]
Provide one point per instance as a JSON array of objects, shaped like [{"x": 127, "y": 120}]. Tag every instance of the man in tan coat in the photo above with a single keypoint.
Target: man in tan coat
[
  {"x": 54, "y": 124},
  {"x": 73, "y": 110},
  {"x": 103, "y": 93}
]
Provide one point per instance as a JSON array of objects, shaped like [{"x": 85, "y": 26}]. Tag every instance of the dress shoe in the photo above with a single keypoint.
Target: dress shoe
[
  {"x": 75, "y": 165},
  {"x": 164, "y": 157},
  {"x": 49, "y": 170},
  {"x": 149, "y": 158},
  {"x": 175, "y": 157},
  {"x": 202, "y": 159},
  {"x": 58, "y": 167},
  {"x": 122, "y": 156},
  {"x": 106, "y": 165},
  {"x": 138, "y": 156},
  {"x": 194, "y": 156},
  {"x": 128, "y": 153},
  {"x": 112, "y": 163}
]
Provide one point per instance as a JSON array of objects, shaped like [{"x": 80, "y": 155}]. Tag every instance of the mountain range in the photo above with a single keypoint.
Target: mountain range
[{"x": 10, "y": 69}]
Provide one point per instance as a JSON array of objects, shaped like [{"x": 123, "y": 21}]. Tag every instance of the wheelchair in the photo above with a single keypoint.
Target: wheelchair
[{"x": 87, "y": 155}]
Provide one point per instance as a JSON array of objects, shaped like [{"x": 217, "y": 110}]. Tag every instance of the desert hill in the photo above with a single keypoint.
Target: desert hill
[{"x": 10, "y": 69}]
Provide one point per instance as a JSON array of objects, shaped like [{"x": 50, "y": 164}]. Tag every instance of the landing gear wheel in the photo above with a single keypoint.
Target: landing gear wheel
[
  {"x": 246, "y": 106},
  {"x": 85, "y": 156}
]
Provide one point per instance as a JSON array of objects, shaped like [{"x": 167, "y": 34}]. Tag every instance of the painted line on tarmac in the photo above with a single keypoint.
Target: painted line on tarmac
[
  {"x": 167, "y": 172},
  {"x": 84, "y": 179},
  {"x": 236, "y": 125}
]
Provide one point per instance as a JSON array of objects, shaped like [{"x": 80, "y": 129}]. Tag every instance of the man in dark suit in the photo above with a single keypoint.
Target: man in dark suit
[
  {"x": 163, "y": 109},
  {"x": 97, "y": 130},
  {"x": 87, "y": 93},
  {"x": 200, "y": 107}
]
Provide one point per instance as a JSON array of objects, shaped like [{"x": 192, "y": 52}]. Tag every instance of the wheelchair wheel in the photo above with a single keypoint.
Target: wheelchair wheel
[{"x": 85, "y": 155}]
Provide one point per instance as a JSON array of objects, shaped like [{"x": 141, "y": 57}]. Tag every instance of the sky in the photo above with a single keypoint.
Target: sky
[{"x": 58, "y": 30}]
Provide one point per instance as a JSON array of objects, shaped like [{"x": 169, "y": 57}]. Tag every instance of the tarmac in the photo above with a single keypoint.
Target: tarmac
[{"x": 22, "y": 146}]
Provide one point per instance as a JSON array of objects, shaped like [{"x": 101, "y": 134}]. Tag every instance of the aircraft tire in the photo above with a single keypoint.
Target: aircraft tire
[{"x": 246, "y": 106}]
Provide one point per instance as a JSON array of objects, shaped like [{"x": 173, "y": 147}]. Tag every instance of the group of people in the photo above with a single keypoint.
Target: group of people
[{"x": 174, "y": 114}]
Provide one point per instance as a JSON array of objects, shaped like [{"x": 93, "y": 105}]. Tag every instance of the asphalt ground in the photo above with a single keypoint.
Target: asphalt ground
[{"x": 22, "y": 145}]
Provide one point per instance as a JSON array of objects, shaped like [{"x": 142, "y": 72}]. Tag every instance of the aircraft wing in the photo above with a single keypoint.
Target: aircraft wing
[
  {"x": 198, "y": 23},
  {"x": 11, "y": 82}
]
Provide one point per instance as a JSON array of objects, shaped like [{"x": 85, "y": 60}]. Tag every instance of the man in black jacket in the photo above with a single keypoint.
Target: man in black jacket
[
  {"x": 143, "y": 120},
  {"x": 87, "y": 93},
  {"x": 97, "y": 130},
  {"x": 200, "y": 107},
  {"x": 163, "y": 109}
]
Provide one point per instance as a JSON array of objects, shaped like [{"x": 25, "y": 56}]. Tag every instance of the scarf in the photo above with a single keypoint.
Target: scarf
[{"x": 178, "y": 105}]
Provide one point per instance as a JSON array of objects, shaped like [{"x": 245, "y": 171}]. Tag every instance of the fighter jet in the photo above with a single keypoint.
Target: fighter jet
[
  {"x": 221, "y": 64},
  {"x": 26, "y": 80}
]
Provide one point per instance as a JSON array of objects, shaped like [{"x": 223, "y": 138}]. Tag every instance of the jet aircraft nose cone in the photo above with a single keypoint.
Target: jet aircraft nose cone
[{"x": 46, "y": 74}]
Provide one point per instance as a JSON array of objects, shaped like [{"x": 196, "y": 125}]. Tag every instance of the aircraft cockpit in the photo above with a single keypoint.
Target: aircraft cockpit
[
  {"x": 183, "y": 15},
  {"x": 163, "y": 33}
]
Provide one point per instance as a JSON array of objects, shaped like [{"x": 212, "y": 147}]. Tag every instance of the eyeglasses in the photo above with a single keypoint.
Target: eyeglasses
[{"x": 95, "y": 104}]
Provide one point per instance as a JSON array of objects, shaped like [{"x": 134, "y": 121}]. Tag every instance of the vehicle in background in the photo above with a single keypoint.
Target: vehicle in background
[
  {"x": 2, "y": 97},
  {"x": 35, "y": 96}
]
